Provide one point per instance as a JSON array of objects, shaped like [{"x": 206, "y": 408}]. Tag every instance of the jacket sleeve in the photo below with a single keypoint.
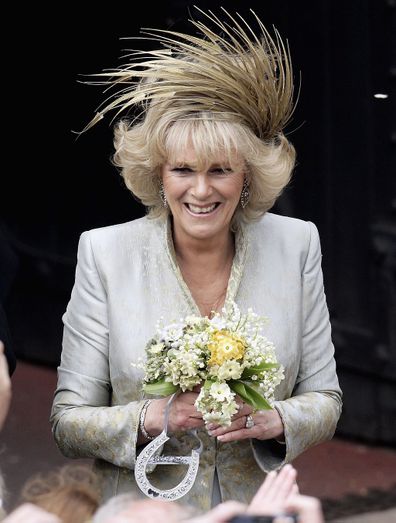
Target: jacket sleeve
[
  {"x": 83, "y": 421},
  {"x": 311, "y": 414}
]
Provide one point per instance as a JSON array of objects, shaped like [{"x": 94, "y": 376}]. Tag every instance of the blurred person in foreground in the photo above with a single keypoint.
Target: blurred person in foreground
[
  {"x": 277, "y": 499},
  {"x": 28, "y": 513},
  {"x": 69, "y": 494},
  {"x": 5, "y": 386},
  {"x": 5, "y": 337},
  {"x": 5, "y": 400}
]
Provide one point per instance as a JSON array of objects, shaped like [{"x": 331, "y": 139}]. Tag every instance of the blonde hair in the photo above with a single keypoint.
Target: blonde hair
[
  {"x": 71, "y": 492},
  {"x": 142, "y": 149},
  {"x": 224, "y": 88}
]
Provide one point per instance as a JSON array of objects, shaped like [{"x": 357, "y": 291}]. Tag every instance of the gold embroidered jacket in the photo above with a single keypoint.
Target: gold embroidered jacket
[{"x": 126, "y": 279}]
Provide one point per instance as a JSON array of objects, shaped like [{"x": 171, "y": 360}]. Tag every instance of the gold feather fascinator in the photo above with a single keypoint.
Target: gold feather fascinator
[{"x": 227, "y": 70}]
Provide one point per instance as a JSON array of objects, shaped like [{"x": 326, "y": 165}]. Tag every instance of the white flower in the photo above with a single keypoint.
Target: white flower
[
  {"x": 156, "y": 348},
  {"x": 212, "y": 417},
  {"x": 220, "y": 391},
  {"x": 172, "y": 332},
  {"x": 229, "y": 370},
  {"x": 193, "y": 320},
  {"x": 218, "y": 322},
  {"x": 230, "y": 408}
]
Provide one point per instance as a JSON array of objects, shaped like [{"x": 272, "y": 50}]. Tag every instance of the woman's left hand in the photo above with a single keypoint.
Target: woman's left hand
[{"x": 267, "y": 425}]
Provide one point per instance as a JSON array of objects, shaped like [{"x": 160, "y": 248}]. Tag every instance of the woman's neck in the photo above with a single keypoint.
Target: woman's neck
[
  {"x": 206, "y": 268},
  {"x": 212, "y": 253}
]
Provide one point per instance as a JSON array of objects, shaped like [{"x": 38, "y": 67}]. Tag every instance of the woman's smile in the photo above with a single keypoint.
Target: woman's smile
[{"x": 202, "y": 211}]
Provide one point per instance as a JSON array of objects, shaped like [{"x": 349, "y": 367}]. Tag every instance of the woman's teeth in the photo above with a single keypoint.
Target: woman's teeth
[{"x": 201, "y": 210}]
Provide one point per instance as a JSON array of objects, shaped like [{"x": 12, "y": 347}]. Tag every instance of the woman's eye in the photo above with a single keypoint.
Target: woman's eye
[
  {"x": 219, "y": 170},
  {"x": 182, "y": 170}
]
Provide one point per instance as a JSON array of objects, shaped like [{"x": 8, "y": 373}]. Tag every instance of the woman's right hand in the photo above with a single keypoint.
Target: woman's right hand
[{"x": 182, "y": 414}]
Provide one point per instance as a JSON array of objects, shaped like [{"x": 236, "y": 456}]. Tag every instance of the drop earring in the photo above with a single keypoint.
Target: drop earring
[
  {"x": 162, "y": 194},
  {"x": 245, "y": 195}
]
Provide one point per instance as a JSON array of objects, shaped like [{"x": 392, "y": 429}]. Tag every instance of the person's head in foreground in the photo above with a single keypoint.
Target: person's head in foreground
[
  {"x": 70, "y": 492},
  {"x": 127, "y": 508}
]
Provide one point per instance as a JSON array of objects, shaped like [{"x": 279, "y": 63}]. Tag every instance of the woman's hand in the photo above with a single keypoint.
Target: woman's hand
[
  {"x": 182, "y": 414},
  {"x": 267, "y": 425}
]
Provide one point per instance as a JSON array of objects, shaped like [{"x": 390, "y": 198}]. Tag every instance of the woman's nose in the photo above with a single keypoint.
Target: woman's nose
[{"x": 202, "y": 187}]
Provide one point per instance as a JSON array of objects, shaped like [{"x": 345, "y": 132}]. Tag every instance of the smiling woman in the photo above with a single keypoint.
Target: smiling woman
[{"x": 208, "y": 158}]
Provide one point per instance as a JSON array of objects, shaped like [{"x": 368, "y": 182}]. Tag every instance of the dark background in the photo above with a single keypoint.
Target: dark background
[{"x": 56, "y": 186}]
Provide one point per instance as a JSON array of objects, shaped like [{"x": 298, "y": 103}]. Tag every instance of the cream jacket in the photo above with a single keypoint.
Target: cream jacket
[{"x": 126, "y": 279}]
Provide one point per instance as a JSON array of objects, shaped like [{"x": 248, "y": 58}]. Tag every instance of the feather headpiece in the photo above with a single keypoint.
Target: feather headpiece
[{"x": 230, "y": 71}]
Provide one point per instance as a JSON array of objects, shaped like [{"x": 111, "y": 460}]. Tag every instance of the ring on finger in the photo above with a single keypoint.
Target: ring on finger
[{"x": 249, "y": 422}]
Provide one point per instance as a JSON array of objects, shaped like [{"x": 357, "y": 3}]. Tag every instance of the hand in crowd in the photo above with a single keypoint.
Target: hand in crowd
[
  {"x": 278, "y": 496},
  {"x": 221, "y": 514},
  {"x": 29, "y": 513},
  {"x": 275, "y": 492},
  {"x": 5, "y": 386},
  {"x": 307, "y": 508}
]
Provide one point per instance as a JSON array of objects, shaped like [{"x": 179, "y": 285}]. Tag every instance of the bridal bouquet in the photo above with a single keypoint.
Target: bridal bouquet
[{"x": 225, "y": 354}]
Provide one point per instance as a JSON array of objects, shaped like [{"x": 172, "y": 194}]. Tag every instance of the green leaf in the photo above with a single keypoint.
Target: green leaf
[
  {"x": 249, "y": 395},
  {"x": 160, "y": 388},
  {"x": 248, "y": 373},
  {"x": 208, "y": 383}
]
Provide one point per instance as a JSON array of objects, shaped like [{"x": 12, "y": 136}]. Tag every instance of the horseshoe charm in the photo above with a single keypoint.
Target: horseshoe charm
[{"x": 147, "y": 457}]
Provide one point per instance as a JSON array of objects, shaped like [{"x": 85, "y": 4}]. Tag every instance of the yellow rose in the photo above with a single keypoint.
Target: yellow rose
[{"x": 225, "y": 345}]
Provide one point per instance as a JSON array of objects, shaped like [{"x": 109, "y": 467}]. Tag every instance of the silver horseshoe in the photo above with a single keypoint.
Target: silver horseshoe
[{"x": 147, "y": 457}]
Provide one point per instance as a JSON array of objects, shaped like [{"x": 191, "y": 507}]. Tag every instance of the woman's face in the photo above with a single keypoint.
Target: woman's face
[{"x": 202, "y": 202}]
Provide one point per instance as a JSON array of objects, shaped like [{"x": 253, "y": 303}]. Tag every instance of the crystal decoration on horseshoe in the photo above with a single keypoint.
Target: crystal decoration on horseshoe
[{"x": 147, "y": 457}]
